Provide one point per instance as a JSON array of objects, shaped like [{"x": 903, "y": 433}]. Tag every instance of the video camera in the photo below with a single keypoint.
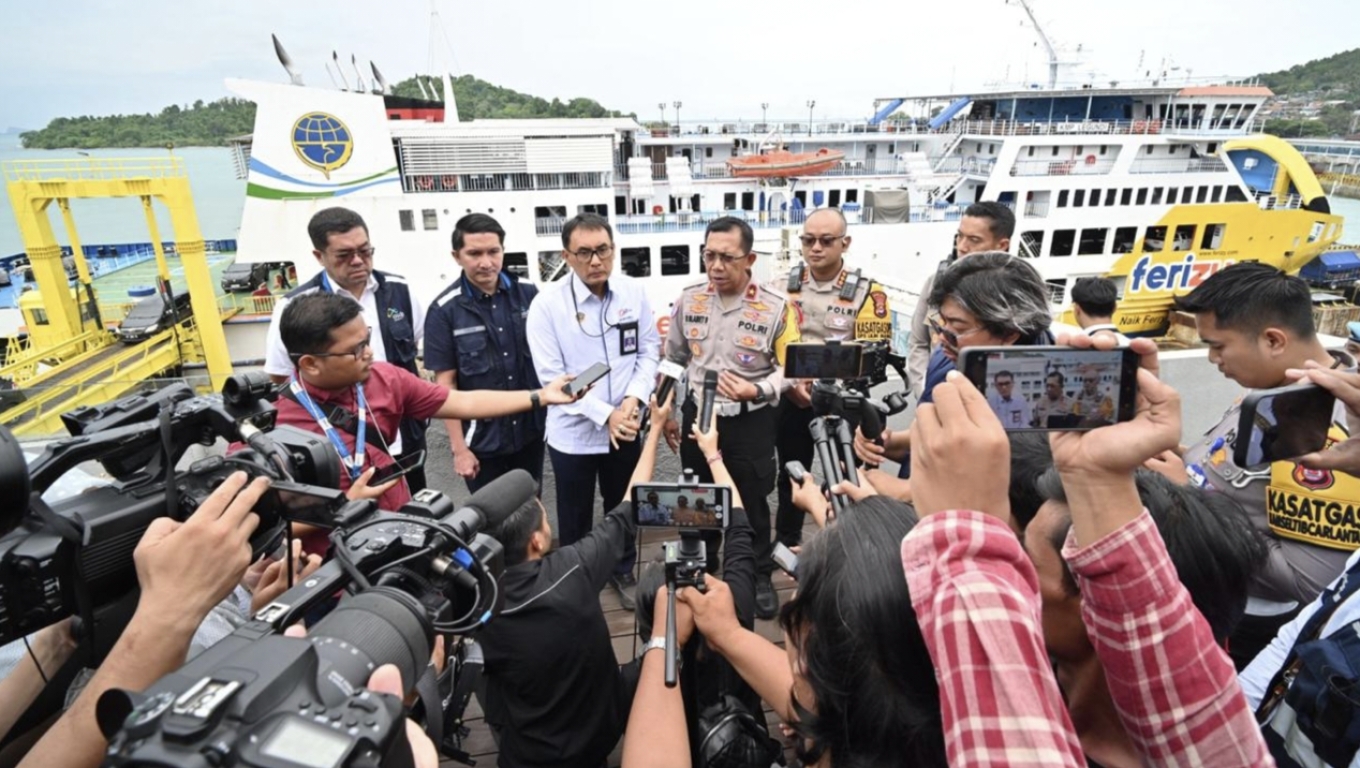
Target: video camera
[
  {"x": 74, "y": 557},
  {"x": 258, "y": 698}
]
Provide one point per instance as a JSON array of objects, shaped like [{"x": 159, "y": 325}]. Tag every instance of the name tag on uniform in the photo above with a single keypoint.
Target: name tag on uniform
[{"x": 628, "y": 338}]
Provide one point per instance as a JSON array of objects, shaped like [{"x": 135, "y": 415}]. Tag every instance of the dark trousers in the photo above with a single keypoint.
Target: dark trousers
[
  {"x": 576, "y": 476},
  {"x": 795, "y": 444},
  {"x": 528, "y": 458},
  {"x": 747, "y": 445}
]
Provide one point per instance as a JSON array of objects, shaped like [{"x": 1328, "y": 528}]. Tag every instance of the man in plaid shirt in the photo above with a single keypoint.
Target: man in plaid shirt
[{"x": 975, "y": 593}]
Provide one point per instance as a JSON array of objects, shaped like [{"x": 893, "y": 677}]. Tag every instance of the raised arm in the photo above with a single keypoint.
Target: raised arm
[{"x": 646, "y": 466}]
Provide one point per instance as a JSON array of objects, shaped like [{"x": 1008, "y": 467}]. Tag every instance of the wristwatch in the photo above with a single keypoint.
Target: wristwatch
[
  {"x": 534, "y": 402},
  {"x": 656, "y": 642},
  {"x": 760, "y": 394}
]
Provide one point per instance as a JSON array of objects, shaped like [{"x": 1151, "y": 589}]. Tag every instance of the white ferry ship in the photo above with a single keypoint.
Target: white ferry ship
[{"x": 1156, "y": 186}]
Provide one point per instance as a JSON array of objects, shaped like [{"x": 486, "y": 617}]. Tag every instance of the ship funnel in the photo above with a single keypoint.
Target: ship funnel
[
  {"x": 380, "y": 85},
  {"x": 450, "y": 101},
  {"x": 339, "y": 70},
  {"x": 293, "y": 74}
]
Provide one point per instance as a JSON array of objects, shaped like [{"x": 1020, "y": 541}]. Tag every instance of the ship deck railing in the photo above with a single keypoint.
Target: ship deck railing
[
  {"x": 1057, "y": 126},
  {"x": 687, "y": 221}
]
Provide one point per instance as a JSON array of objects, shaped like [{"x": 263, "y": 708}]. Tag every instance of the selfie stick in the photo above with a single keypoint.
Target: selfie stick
[
  {"x": 671, "y": 650},
  {"x": 710, "y": 394}
]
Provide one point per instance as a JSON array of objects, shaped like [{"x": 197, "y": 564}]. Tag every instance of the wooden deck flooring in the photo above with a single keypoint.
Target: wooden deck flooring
[{"x": 479, "y": 742}]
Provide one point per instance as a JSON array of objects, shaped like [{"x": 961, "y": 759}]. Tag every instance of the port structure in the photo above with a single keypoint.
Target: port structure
[{"x": 71, "y": 359}]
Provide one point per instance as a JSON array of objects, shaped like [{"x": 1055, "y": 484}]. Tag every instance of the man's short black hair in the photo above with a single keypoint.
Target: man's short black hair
[
  {"x": 476, "y": 224},
  {"x": 515, "y": 531},
  {"x": 1209, "y": 537},
  {"x": 585, "y": 221},
  {"x": 1062, "y": 380},
  {"x": 1250, "y": 297},
  {"x": 332, "y": 221},
  {"x": 729, "y": 223},
  {"x": 1097, "y": 296},
  {"x": 1007, "y": 374},
  {"x": 1002, "y": 217},
  {"x": 307, "y": 321}
]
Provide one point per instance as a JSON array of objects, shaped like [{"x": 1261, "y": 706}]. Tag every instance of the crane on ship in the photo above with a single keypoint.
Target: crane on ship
[{"x": 71, "y": 359}]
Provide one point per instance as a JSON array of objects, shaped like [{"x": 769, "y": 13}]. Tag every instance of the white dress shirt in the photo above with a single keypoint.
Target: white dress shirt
[{"x": 571, "y": 329}]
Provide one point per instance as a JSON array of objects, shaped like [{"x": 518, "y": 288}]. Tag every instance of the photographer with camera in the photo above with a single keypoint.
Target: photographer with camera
[
  {"x": 555, "y": 694},
  {"x": 184, "y": 570},
  {"x": 337, "y": 389}
]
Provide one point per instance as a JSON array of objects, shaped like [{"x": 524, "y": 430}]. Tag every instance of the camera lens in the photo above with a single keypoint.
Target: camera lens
[
  {"x": 245, "y": 388},
  {"x": 375, "y": 627},
  {"x": 14, "y": 482}
]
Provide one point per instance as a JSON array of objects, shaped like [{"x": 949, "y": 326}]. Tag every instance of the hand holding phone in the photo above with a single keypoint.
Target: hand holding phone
[
  {"x": 586, "y": 378},
  {"x": 1283, "y": 423},
  {"x": 785, "y": 559},
  {"x": 1052, "y": 389}
]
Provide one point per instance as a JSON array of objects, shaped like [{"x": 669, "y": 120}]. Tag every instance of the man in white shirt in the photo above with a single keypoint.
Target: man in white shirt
[
  {"x": 342, "y": 248},
  {"x": 595, "y": 316},
  {"x": 1010, "y": 408},
  {"x": 1094, "y": 301}
]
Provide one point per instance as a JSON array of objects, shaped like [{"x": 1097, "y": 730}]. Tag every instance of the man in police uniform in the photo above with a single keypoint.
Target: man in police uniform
[
  {"x": 738, "y": 328},
  {"x": 475, "y": 339},
  {"x": 834, "y": 304},
  {"x": 1053, "y": 403},
  {"x": 1258, "y": 323},
  {"x": 342, "y": 248},
  {"x": 1092, "y": 402}
]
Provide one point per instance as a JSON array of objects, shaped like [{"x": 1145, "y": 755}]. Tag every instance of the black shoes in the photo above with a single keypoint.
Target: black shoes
[
  {"x": 767, "y": 602},
  {"x": 624, "y": 584}
]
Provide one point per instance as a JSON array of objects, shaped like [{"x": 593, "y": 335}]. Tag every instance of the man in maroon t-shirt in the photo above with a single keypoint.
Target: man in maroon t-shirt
[{"x": 328, "y": 343}]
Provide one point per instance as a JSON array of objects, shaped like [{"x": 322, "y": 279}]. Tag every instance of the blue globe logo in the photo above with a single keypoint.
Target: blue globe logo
[{"x": 322, "y": 141}]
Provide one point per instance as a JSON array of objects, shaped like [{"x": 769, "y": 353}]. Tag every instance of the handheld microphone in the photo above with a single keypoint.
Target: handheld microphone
[{"x": 710, "y": 394}]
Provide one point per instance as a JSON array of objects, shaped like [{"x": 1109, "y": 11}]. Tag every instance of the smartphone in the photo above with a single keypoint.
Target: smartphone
[
  {"x": 587, "y": 377},
  {"x": 398, "y": 468},
  {"x": 785, "y": 559},
  {"x": 1052, "y": 389},
  {"x": 832, "y": 360},
  {"x": 795, "y": 470},
  {"x": 1283, "y": 423},
  {"x": 690, "y": 506}
]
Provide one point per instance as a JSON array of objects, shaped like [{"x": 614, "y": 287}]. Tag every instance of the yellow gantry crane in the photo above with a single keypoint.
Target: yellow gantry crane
[{"x": 65, "y": 328}]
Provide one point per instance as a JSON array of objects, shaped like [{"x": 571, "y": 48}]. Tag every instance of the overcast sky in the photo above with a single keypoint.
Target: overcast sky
[{"x": 721, "y": 58}]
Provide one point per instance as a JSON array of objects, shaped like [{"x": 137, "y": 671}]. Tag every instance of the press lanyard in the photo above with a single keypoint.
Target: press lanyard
[{"x": 353, "y": 461}]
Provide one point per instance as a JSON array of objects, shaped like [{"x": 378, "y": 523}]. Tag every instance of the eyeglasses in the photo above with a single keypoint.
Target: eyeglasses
[
  {"x": 726, "y": 258},
  {"x": 357, "y": 353},
  {"x": 948, "y": 334},
  {"x": 586, "y": 255},
  {"x": 364, "y": 254},
  {"x": 826, "y": 240}
]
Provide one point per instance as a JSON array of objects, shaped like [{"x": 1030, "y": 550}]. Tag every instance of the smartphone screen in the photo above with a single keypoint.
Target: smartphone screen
[
  {"x": 785, "y": 559},
  {"x": 587, "y": 377},
  {"x": 695, "y": 506},
  {"x": 1047, "y": 389},
  {"x": 823, "y": 361},
  {"x": 310, "y": 504},
  {"x": 1284, "y": 423},
  {"x": 398, "y": 468}
]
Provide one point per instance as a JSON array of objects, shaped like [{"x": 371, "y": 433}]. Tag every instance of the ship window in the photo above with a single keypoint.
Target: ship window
[
  {"x": 833, "y": 198},
  {"x": 39, "y": 316},
  {"x": 1031, "y": 151},
  {"x": 801, "y": 197},
  {"x": 551, "y": 266},
  {"x": 517, "y": 264},
  {"x": 1062, "y": 198},
  {"x": 597, "y": 208},
  {"x": 1092, "y": 242},
  {"x": 1063, "y": 240},
  {"x": 1217, "y": 194},
  {"x": 431, "y": 217},
  {"x": 637, "y": 262},
  {"x": 852, "y": 195},
  {"x": 639, "y": 206},
  {"x": 407, "y": 219},
  {"x": 1057, "y": 290},
  {"x": 695, "y": 203},
  {"x": 1123, "y": 239},
  {"x": 1055, "y": 151},
  {"x": 1235, "y": 195},
  {"x": 620, "y": 205},
  {"x": 1110, "y": 195},
  {"x": 1078, "y": 198},
  {"x": 1032, "y": 244},
  {"x": 1149, "y": 149},
  {"x": 729, "y": 200},
  {"x": 1203, "y": 195},
  {"x": 1156, "y": 195},
  {"x": 1171, "y": 195},
  {"x": 1213, "y": 237},
  {"x": 708, "y": 151},
  {"x": 1142, "y": 196},
  {"x": 1104, "y": 148},
  {"x": 675, "y": 259},
  {"x": 550, "y": 212},
  {"x": 1126, "y": 197},
  {"x": 748, "y": 201},
  {"x": 1185, "y": 237},
  {"x": 1095, "y": 198},
  {"x": 1171, "y": 150},
  {"x": 1079, "y": 149},
  {"x": 1155, "y": 240}
]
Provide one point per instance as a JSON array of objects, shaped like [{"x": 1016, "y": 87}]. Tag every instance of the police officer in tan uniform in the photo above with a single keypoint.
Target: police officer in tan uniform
[
  {"x": 735, "y": 326},
  {"x": 834, "y": 304}
]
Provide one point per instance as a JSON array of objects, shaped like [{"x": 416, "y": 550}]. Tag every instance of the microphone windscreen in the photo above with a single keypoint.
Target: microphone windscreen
[
  {"x": 499, "y": 499},
  {"x": 711, "y": 379}
]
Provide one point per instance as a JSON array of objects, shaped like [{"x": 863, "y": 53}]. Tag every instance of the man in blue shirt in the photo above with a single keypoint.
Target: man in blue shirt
[
  {"x": 475, "y": 339},
  {"x": 595, "y": 316}
]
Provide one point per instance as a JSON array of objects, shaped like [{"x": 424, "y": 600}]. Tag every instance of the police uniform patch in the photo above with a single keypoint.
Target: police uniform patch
[
  {"x": 880, "y": 300},
  {"x": 759, "y": 305},
  {"x": 694, "y": 333},
  {"x": 696, "y": 348},
  {"x": 747, "y": 359},
  {"x": 750, "y": 342},
  {"x": 1313, "y": 479}
]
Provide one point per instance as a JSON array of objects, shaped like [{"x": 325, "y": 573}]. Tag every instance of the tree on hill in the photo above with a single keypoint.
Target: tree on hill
[
  {"x": 202, "y": 124},
  {"x": 478, "y": 99},
  {"x": 1339, "y": 73}
]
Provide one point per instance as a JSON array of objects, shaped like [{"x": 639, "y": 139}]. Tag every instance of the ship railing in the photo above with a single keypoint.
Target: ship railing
[
  {"x": 1100, "y": 166},
  {"x": 686, "y": 221},
  {"x": 246, "y": 304},
  {"x": 975, "y": 166},
  {"x": 1269, "y": 202},
  {"x": 1187, "y": 165},
  {"x": 855, "y": 167},
  {"x": 549, "y": 225},
  {"x": 504, "y": 182}
]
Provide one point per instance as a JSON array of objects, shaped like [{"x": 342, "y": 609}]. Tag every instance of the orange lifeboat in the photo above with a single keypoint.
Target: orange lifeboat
[{"x": 782, "y": 163}]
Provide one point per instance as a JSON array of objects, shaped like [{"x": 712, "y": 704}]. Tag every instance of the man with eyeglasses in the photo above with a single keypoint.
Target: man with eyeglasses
[
  {"x": 341, "y": 246},
  {"x": 340, "y": 390},
  {"x": 1092, "y": 403},
  {"x": 1013, "y": 410},
  {"x": 834, "y": 304},
  {"x": 984, "y": 227},
  {"x": 595, "y": 316},
  {"x": 475, "y": 338},
  {"x": 733, "y": 325}
]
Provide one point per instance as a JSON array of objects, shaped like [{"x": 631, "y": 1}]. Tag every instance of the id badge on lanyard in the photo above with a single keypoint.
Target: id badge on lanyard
[{"x": 352, "y": 460}]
